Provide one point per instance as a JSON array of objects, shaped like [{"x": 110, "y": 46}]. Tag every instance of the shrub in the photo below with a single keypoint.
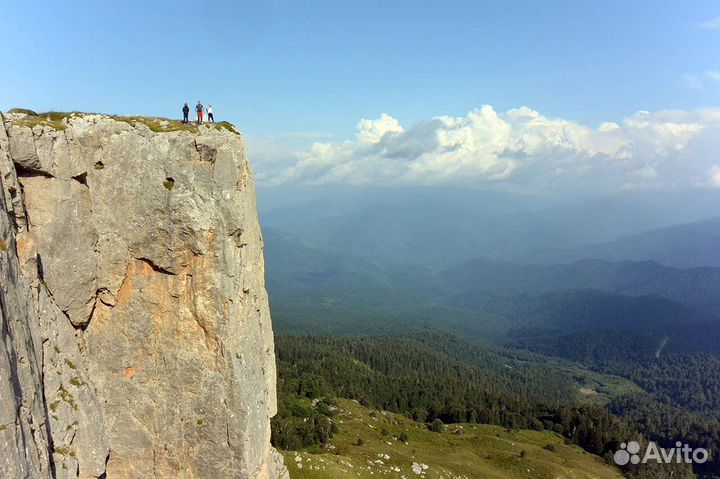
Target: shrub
[
  {"x": 22, "y": 110},
  {"x": 437, "y": 425}
]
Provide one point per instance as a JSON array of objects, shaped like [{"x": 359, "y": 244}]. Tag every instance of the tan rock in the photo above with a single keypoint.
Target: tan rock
[{"x": 146, "y": 256}]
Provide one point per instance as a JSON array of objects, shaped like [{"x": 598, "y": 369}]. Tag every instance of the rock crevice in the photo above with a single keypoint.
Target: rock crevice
[{"x": 124, "y": 305}]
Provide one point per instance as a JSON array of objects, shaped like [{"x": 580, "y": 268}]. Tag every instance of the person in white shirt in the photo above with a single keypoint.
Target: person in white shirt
[{"x": 210, "y": 114}]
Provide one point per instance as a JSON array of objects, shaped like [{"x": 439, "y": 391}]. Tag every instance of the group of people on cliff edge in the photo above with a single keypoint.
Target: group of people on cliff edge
[{"x": 200, "y": 110}]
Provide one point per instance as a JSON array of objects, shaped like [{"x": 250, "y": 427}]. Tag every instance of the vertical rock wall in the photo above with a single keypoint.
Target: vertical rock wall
[{"x": 137, "y": 340}]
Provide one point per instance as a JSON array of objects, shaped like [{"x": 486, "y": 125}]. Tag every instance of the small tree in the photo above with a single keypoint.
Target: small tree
[
  {"x": 437, "y": 425},
  {"x": 523, "y": 454},
  {"x": 403, "y": 437},
  {"x": 360, "y": 442},
  {"x": 384, "y": 432}
]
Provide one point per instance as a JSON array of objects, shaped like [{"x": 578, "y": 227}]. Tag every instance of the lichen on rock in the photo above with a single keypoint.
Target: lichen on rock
[{"x": 140, "y": 337}]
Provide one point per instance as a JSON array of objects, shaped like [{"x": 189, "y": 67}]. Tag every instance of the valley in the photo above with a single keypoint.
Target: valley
[{"x": 630, "y": 337}]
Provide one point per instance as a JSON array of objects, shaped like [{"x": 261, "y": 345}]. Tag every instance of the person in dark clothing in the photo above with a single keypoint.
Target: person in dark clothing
[
  {"x": 199, "y": 109},
  {"x": 186, "y": 112}
]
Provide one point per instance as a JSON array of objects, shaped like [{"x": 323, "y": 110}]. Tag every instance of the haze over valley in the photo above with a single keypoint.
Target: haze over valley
[{"x": 625, "y": 287}]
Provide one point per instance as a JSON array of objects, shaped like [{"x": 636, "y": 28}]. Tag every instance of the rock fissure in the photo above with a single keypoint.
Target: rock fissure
[
  {"x": 27, "y": 172},
  {"x": 155, "y": 267}
]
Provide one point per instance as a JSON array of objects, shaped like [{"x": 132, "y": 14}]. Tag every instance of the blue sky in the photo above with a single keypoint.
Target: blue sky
[{"x": 283, "y": 70}]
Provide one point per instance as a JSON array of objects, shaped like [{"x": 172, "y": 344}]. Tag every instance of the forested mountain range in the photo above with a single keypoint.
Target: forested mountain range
[{"x": 487, "y": 329}]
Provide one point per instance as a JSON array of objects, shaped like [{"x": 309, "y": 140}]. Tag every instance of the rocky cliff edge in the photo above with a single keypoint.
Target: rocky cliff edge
[{"x": 136, "y": 334}]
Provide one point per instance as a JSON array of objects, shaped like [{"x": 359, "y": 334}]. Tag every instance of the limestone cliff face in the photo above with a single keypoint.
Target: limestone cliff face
[{"x": 136, "y": 334}]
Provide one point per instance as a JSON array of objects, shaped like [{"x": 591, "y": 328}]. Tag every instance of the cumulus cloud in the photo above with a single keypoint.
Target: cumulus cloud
[{"x": 519, "y": 149}]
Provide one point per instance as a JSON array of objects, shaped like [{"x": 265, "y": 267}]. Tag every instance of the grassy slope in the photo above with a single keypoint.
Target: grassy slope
[
  {"x": 480, "y": 451},
  {"x": 595, "y": 388}
]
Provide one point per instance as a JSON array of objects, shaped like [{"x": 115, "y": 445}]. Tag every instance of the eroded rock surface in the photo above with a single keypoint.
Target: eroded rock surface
[{"x": 137, "y": 340}]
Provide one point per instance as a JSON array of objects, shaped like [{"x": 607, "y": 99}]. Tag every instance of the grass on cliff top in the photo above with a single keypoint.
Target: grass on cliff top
[
  {"x": 159, "y": 125},
  {"x": 480, "y": 451},
  {"x": 22, "y": 110},
  {"x": 58, "y": 121}
]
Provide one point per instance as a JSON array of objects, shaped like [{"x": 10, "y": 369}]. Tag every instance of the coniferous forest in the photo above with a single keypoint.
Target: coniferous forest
[{"x": 442, "y": 378}]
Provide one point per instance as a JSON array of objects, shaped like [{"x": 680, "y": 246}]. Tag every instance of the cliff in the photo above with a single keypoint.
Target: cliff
[{"x": 136, "y": 334}]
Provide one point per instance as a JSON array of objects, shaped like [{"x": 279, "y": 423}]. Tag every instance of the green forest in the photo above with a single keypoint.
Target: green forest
[
  {"x": 441, "y": 379},
  {"x": 597, "y": 351}
]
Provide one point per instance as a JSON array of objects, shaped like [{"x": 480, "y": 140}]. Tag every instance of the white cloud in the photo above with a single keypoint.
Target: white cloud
[
  {"x": 518, "y": 149},
  {"x": 715, "y": 176},
  {"x": 711, "y": 24},
  {"x": 697, "y": 82},
  {"x": 693, "y": 81},
  {"x": 372, "y": 131}
]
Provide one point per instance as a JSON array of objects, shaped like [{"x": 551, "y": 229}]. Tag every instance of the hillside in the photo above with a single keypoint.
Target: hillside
[
  {"x": 461, "y": 451},
  {"x": 324, "y": 291},
  {"x": 443, "y": 378},
  {"x": 308, "y": 275},
  {"x": 581, "y": 310},
  {"x": 478, "y": 279},
  {"x": 685, "y": 246},
  {"x": 642, "y": 325},
  {"x": 316, "y": 289}
]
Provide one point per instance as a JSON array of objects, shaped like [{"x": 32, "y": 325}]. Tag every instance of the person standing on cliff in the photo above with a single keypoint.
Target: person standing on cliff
[
  {"x": 210, "y": 115},
  {"x": 199, "y": 109},
  {"x": 186, "y": 112}
]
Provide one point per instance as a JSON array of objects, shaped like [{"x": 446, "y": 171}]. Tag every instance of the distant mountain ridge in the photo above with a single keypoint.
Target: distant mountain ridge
[
  {"x": 695, "y": 287},
  {"x": 439, "y": 227},
  {"x": 687, "y": 245},
  {"x": 319, "y": 289},
  {"x": 592, "y": 310}
]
